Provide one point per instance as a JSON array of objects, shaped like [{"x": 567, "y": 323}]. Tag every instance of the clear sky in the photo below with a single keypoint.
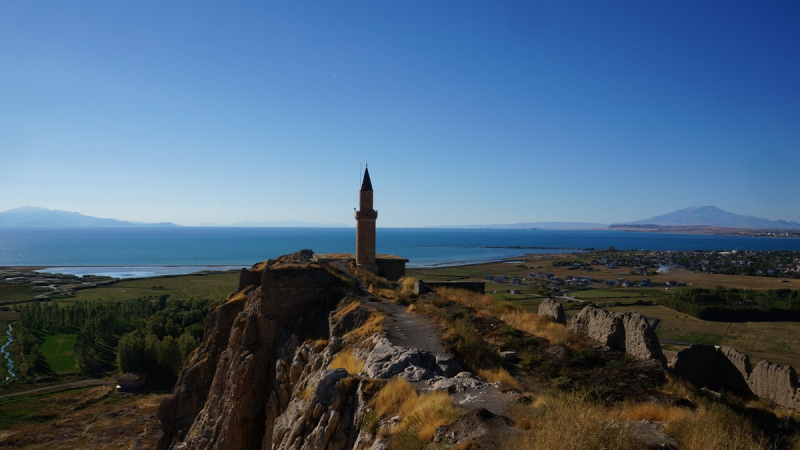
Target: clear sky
[{"x": 468, "y": 112}]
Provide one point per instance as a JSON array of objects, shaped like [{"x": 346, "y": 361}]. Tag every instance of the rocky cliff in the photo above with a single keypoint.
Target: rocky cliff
[
  {"x": 262, "y": 349},
  {"x": 262, "y": 377}
]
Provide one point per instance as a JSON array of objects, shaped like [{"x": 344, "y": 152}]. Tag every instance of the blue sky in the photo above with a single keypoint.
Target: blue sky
[{"x": 467, "y": 112}]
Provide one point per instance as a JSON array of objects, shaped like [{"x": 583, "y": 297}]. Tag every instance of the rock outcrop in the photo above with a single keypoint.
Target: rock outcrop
[
  {"x": 261, "y": 378},
  {"x": 726, "y": 368},
  {"x": 553, "y": 310},
  {"x": 252, "y": 368},
  {"x": 628, "y": 332}
]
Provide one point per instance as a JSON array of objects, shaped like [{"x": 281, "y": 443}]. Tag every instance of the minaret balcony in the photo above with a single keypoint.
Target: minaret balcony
[{"x": 366, "y": 214}]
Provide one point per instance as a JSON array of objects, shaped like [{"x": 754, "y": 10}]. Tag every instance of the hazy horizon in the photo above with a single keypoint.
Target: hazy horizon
[{"x": 467, "y": 112}]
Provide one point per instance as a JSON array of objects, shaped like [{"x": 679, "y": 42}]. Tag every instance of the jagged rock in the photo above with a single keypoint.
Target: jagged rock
[
  {"x": 387, "y": 360},
  {"x": 448, "y": 366},
  {"x": 776, "y": 383},
  {"x": 628, "y": 332},
  {"x": 480, "y": 427},
  {"x": 553, "y": 310},
  {"x": 415, "y": 373},
  {"x": 325, "y": 420},
  {"x": 178, "y": 412},
  {"x": 251, "y": 368},
  {"x": 347, "y": 322},
  {"x": 459, "y": 383}
]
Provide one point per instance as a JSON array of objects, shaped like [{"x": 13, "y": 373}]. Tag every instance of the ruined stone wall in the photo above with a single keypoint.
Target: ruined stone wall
[
  {"x": 628, "y": 332},
  {"x": 726, "y": 368},
  {"x": 287, "y": 291},
  {"x": 391, "y": 268},
  {"x": 553, "y": 310},
  {"x": 249, "y": 278}
]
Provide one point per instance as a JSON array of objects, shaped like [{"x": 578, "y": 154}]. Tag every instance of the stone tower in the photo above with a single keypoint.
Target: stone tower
[{"x": 365, "y": 227}]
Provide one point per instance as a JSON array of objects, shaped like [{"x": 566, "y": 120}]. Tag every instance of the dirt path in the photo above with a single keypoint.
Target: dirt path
[
  {"x": 60, "y": 387},
  {"x": 411, "y": 330}
]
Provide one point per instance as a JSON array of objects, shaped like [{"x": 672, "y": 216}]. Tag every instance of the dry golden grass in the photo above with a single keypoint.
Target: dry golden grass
[
  {"x": 407, "y": 285},
  {"x": 713, "y": 426},
  {"x": 499, "y": 375},
  {"x": 411, "y": 308},
  {"x": 372, "y": 326},
  {"x": 568, "y": 422},
  {"x": 348, "y": 308},
  {"x": 384, "y": 293},
  {"x": 647, "y": 411},
  {"x": 421, "y": 413},
  {"x": 346, "y": 359},
  {"x": 513, "y": 316},
  {"x": 540, "y": 326},
  {"x": 237, "y": 297},
  {"x": 319, "y": 344}
]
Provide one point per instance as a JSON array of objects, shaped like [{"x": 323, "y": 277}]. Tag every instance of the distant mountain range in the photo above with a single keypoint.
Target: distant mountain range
[
  {"x": 32, "y": 216},
  {"x": 713, "y": 216},
  {"x": 531, "y": 225}
]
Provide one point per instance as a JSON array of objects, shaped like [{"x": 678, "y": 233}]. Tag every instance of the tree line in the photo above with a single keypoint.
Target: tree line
[
  {"x": 145, "y": 334},
  {"x": 731, "y": 304}
]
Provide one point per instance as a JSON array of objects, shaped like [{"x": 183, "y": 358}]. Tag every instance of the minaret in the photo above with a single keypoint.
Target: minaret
[{"x": 365, "y": 227}]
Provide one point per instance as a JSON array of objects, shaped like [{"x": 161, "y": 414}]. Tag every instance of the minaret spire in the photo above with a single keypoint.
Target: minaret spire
[{"x": 365, "y": 226}]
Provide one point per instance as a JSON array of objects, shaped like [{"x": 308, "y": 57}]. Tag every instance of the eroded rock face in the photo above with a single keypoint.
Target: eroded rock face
[
  {"x": 253, "y": 364},
  {"x": 628, "y": 332},
  {"x": 776, "y": 383},
  {"x": 177, "y": 413},
  {"x": 553, "y": 310}
]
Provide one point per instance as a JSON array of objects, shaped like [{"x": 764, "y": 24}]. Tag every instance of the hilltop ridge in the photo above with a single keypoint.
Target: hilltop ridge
[{"x": 34, "y": 216}]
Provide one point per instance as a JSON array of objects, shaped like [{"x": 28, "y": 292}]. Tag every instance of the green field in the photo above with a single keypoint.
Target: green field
[
  {"x": 215, "y": 286},
  {"x": 10, "y": 293},
  {"x": 619, "y": 293},
  {"x": 57, "y": 350}
]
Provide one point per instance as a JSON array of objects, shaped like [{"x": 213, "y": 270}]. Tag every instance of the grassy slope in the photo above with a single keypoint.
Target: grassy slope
[{"x": 773, "y": 341}]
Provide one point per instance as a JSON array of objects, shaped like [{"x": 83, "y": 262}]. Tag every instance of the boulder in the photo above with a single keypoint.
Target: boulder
[{"x": 553, "y": 310}]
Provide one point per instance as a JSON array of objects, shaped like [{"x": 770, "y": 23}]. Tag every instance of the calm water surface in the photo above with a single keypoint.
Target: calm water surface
[{"x": 135, "y": 250}]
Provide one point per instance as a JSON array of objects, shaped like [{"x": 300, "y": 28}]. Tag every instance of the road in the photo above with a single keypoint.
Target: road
[{"x": 61, "y": 387}]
